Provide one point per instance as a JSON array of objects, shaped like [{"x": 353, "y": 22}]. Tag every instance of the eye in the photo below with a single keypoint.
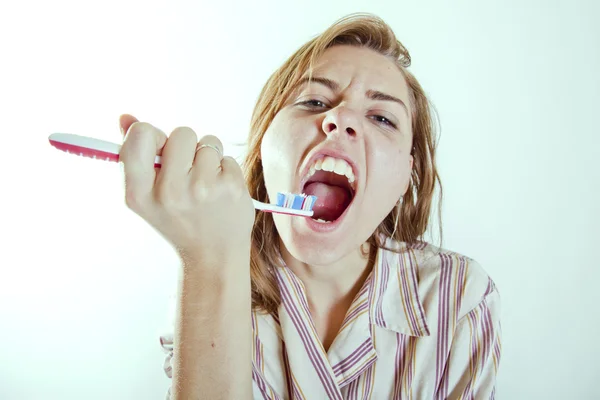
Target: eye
[
  {"x": 383, "y": 120},
  {"x": 313, "y": 103}
]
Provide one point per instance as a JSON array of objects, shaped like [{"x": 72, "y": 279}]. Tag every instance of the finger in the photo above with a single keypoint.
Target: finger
[
  {"x": 178, "y": 153},
  {"x": 142, "y": 143},
  {"x": 207, "y": 161},
  {"x": 125, "y": 121},
  {"x": 232, "y": 170}
]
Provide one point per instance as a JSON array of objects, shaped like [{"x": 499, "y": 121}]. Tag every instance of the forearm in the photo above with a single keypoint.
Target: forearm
[{"x": 213, "y": 336}]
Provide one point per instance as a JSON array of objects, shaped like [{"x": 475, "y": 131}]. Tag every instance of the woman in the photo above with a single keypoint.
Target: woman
[{"x": 350, "y": 303}]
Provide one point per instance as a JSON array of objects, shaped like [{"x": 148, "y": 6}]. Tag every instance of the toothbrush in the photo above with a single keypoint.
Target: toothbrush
[{"x": 287, "y": 203}]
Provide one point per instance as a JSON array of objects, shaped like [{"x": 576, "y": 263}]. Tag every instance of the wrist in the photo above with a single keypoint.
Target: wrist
[
  {"x": 215, "y": 261},
  {"x": 214, "y": 274}
]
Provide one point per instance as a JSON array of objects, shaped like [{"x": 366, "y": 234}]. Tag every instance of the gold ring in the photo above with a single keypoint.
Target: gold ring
[{"x": 215, "y": 148}]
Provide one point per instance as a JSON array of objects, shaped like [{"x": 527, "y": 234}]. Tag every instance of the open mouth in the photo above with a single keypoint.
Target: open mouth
[{"x": 331, "y": 180}]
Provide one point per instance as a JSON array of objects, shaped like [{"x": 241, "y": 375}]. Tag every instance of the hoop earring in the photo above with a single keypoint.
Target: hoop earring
[{"x": 397, "y": 217}]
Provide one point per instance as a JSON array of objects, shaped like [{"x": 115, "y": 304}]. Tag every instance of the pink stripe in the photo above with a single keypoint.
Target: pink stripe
[
  {"x": 490, "y": 287},
  {"x": 262, "y": 385},
  {"x": 368, "y": 384},
  {"x": 497, "y": 344},
  {"x": 293, "y": 390},
  {"x": 357, "y": 374},
  {"x": 304, "y": 335},
  {"x": 399, "y": 366},
  {"x": 419, "y": 245},
  {"x": 309, "y": 346},
  {"x": 488, "y": 333},
  {"x": 438, "y": 360},
  {"x": 407, "y": 295},
  {"x": 348, "y": 362},
  {"x": 451, "y": 266},
  {"x": 324, "y": 376},
  {"x": 474, "y": 355},
  {"x": 459, "y": 287},
  {"x": 259, "y": 382},
  {"x": 351, "y": 361},
  {"x": 443, "y": 327},
  {"x": 409, "y": 348},
  {"x": 414, "y": 280},
  {"x": 257, "y": 346},
  {"x": 362, "y": 306},
  {"x": 365, "y": 287},
  {"x": 382, "y": 286},
  {"x": 298, "y": 288},
  {"x": 287, "y": 371},
  {"x": 356, "y": 311},
  {"x": 352, "y": 390}
]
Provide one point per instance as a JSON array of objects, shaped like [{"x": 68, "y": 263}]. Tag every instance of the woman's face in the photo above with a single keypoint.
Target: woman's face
[{"x": 354, "y": 116}]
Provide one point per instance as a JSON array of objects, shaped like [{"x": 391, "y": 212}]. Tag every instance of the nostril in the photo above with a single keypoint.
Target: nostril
[
  {"x": 350, "y": 131},
  {"x": 331, "y": 127}
]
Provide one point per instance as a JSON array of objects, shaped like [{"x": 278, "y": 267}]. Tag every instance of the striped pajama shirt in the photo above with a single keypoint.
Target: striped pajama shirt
[{"x": 425, "y": 325}]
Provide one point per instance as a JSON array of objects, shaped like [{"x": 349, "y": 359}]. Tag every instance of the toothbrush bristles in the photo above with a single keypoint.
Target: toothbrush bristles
[{"x": 296, "y": 201}]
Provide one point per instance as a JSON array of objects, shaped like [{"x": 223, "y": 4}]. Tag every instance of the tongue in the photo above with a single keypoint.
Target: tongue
[{"x": 331, "y": 200}]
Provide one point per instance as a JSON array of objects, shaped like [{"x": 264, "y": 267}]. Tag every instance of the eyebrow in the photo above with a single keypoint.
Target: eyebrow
[{"x": 371, "y": 94}]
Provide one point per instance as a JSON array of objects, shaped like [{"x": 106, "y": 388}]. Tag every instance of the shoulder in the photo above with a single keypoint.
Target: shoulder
[
  {"x": 462, "y": 276},
  {"x": 443, "y": 273}
]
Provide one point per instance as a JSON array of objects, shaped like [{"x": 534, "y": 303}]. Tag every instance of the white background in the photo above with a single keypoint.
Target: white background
[{"x": 84, "y": 282}]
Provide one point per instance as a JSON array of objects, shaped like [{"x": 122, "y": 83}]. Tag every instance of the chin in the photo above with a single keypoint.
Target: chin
[
  {"x": 313, "y": 243},
  {"x": 313, "y": 252}
]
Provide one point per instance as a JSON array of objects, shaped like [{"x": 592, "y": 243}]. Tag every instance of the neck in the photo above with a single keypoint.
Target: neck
[{"x": 332, "y": 286}]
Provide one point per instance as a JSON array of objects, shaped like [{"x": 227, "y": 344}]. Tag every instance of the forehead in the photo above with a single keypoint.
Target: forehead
[{"x": 360, "y": 66}]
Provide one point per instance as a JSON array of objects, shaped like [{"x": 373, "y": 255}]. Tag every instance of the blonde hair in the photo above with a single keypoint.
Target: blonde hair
[{"x": 408, "y": 221}]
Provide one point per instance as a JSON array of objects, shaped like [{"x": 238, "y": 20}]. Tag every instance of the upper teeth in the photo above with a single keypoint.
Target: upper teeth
[{"x": 335, "y": 165}]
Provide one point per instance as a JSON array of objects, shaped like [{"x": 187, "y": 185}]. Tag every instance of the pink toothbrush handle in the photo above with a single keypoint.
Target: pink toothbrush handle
[
  {"x": 102, "y": 150},
  {"x": 89, "y": 147}
]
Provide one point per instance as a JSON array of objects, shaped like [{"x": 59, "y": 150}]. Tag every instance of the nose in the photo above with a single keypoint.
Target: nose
[{"x": 341, "y": 121}]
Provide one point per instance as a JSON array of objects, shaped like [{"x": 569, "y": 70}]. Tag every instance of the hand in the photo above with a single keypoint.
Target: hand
[{"x": 197, "y": 200}]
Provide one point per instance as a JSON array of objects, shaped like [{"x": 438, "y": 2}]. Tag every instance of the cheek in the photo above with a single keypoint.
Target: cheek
[
  {"x": 270, "y": 158},
  {"x": 390, "y": 172},
  {"x": 272, "y": 140},
  {"x": 285, "y": 141},
  {"x": 277, "y": 154}
]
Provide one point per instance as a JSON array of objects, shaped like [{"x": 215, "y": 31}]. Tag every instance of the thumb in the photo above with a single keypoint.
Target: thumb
[{"x": 125, "y": 121}]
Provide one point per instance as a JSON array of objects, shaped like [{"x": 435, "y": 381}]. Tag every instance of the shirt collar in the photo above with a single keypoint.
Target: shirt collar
[
  {"x": 388, "y": 299},
  {"x": 394, "y": 303},
  {"x": 394, "y": 298}
]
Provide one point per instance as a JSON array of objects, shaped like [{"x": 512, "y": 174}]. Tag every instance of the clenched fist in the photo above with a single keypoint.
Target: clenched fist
[{"x": 197, "y": 200}]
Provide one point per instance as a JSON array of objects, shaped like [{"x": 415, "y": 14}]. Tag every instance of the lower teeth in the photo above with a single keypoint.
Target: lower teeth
[{"x": 322, "y": 221}]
